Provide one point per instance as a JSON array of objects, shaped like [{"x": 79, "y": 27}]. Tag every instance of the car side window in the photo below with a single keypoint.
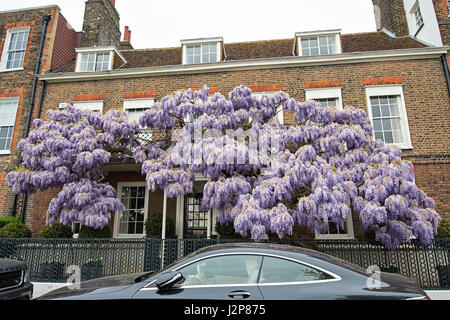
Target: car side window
[
  {"x": 276, "y": 270},
  {"x": 228, "y": 269}
]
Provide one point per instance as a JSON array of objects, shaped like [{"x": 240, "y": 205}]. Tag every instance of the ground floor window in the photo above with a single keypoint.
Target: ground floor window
[
  {"x": 134, "y": 197},
  {"x": 196, "y": 219}
]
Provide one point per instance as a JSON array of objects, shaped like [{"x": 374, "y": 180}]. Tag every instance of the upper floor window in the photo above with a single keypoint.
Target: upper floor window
[
  {"x": 94, "y": 59},
  {"x": 388, "y": 115},
  {"x": 94, "y": 62},
  {"x": 418, "y": 16},
  {"x": 201, "y": 51},
  {"x": 95, "y": 106},
  {"x": 14, "y": 48},
  {"x": 327, "y": 97},
  {"x": 319, "y": 43},
  {"x": 8, "y": 110}
]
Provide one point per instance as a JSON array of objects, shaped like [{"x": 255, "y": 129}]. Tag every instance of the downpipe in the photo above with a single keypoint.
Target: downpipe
[{"x": 46, "y": 19}]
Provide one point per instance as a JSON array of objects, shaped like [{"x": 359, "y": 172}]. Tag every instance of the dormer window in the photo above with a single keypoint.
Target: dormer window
[
  {"x": 318, "y": 43},
  {"x": 98, "y": 59},
  {"x": 196, "y": 51}
]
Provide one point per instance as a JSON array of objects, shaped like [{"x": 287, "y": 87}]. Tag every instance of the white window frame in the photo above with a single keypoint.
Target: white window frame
[
  {"x": 4, "y": 56},
  {"x": 92, "y": 105},
  {"x": 280, "y": 109},
  {"x": 350, "y": 234},
  {"x": 391, "y": 90},
  {"x": 418, "y": 16},
  {"x": 80, "y": 54},
  {"x": 316, "y": 34},
  {"x": 143, "y": 104},
  {"x": 200, "y": 42},
  {"x": 120, "y": 185},
  {"x": 325, "y": 93},
  {"x": 98, "y": 50},
  {"x": 16, "y": 101}
]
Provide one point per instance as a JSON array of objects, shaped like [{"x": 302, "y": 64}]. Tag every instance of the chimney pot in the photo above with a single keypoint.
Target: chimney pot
[
  {"x": 127, "y": 34},
  {"x": 113, "y": 2}
]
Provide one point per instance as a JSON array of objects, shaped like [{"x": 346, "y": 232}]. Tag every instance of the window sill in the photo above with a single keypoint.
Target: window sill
[
  {"x": 10, "y": 70},
  {"x": 5, "y": 152}
]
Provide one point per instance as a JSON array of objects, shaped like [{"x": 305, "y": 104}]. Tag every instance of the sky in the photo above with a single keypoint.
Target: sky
[{"x": 158, "y": 24}]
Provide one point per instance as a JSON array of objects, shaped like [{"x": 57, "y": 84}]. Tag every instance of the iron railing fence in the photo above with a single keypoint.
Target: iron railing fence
[{"x": 50, "y": 259}]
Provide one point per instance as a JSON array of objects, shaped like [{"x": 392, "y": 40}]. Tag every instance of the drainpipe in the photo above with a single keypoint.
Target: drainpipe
[
  {"x": 46, "y": 19},
  {"x": 447, "y": 75}
]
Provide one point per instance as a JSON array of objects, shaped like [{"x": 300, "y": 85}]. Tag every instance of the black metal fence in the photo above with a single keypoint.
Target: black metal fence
[{"x": 51, "y": 260}]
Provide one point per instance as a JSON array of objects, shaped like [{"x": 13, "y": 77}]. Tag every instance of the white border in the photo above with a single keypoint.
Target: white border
[
  {"x": 386, "y": 90},
  {"x": 325, "y": 93},
  {"x": 201, "y": 43},
  {"x": 16, "y": 100},
  {"x": 6, "y": 45},
  {"x": 88, "y": 102},
  {"x": 116, "y": 233}
]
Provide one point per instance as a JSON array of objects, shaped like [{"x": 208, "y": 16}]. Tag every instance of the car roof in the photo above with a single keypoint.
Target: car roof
[{"x": 282, "y": 247}]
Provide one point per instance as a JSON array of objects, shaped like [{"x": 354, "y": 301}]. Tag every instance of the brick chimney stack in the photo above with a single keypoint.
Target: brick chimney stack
[
  {"x": 101, "y": 24},
  {"x": 113, "y": 2}
]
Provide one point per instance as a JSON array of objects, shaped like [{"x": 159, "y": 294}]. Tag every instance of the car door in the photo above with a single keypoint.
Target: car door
[
  {"x": 222, "y": 277},
  {"x": 286, "y": 279}
]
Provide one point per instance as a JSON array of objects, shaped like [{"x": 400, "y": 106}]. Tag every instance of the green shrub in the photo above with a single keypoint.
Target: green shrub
[
  {"x": 153, "y": 226},
  {"x": 226, "y": 231},
  {"x": 89, "y": 232},
  {"x": 8, "y": 219},
  {"x": 57, "y": 230},
  {"x": 15, "y": 230},
  {"x": 444, "y": 229}
]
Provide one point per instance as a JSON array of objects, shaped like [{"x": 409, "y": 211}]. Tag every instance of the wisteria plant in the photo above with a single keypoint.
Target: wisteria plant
[{"x": 264, "y": 176}]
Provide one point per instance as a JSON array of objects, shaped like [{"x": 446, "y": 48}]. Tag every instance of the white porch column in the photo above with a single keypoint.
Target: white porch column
[{"x": 163, "y": 231}]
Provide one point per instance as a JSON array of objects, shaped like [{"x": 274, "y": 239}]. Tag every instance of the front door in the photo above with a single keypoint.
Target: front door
[{"x": 195, "y": 219}]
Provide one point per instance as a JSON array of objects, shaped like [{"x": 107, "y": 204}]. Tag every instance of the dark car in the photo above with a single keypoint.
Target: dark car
[
  {"x": 250, "y": 271},
  {"x": 14, "y": 282}
]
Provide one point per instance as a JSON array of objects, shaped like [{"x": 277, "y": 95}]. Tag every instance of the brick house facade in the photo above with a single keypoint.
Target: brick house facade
[{"x": 367, "y": 65}]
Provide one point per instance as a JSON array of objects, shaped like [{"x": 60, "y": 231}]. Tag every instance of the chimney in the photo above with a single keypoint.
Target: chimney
[
  {"x": 113, "y": 2},
  {"x": 101, "y": 24},
  {"x": 127, "y": 34}
]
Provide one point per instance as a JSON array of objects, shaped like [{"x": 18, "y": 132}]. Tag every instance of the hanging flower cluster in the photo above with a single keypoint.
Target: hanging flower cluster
[
  {"x": 264, "y": 176},
  {"x": 68, "y": 151}
]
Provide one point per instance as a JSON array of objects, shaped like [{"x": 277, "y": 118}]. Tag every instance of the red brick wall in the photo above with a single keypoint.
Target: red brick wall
[
  {"x": 427, "y": 110},
  {"x": 65, "y": 43}
]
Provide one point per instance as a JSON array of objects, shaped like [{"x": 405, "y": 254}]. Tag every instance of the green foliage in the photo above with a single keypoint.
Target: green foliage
[
  {"x": 226, "y": 231},
  {"x": 93, "y": 263},
  {"x": 153, "y": 226},
  {"x": 88, "y": 232},
  {"x": 8, "y": 219},
  {"x": 15, "y": 230},
  {"x": 57, "y": 230},
  {"x": 444, "y": 228}
]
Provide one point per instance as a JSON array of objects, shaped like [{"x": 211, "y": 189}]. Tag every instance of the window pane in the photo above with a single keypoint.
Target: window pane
[
  {"x": 314, "y": 51},
  {"x": 388, "y": 137},
  {"x": 387, "y": 124},
  {"x": 377, "y": 125},
  {"x": 385, "y": 111},
  {"x": 232, "y": 269},
  {"x": 376, "y": 111},
  {"x": 275, "y": 270}
]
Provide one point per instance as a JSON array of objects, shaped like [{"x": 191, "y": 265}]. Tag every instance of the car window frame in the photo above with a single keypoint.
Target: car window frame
[
  {"x": 334, "y": 276},
  {"x": 174, "y": 267}
]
